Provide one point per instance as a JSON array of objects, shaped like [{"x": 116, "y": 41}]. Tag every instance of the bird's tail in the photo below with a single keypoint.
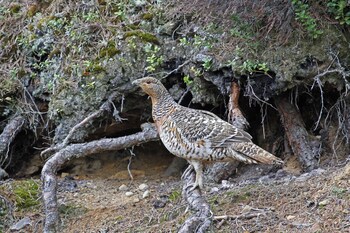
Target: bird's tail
[{"x": 255, "y": 154}]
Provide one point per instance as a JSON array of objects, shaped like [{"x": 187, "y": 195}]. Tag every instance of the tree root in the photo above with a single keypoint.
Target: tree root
[
  {"x": 105, "y": 107},
  {"x": 202, "y": 219},
  {"x": 7, "y": 136},
  {"x": 305, "y": 146},
  {"x": 48, "y": 174}
]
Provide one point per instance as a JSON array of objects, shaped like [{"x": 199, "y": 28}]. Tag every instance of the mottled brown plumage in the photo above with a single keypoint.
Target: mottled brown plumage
[{"x": 199, "y": 136}]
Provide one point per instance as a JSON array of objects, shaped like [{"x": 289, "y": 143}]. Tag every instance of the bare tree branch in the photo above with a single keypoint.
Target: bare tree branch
[{"x": 48, "y": 174}]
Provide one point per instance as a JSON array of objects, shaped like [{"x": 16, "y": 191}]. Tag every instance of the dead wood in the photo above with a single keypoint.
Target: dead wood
[
  {"x": 7, "y": 136},
  {"x": 221, "y": 171},
  {"x": 203, "y": 217},
  {"x": 251, "y": 213},
  {"x": 48, "y": 174},
  {"x": 105, "y": 107},
  {"x": 305, "y": 146}
]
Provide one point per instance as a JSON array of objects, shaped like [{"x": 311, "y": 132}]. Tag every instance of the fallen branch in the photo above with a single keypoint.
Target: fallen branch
[
  {"x": 48, "y": 174},
  {"x": 105, "y": 107},
  {"x": 248, "y": 215},
  {"x": 203, "y": 217},
  {"x": 7, "y": 136}
]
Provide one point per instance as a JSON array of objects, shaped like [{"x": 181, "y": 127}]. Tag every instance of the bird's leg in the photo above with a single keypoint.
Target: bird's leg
[
  {"x": 198, "y": 167},
  {"x": 187, "y": 171}
]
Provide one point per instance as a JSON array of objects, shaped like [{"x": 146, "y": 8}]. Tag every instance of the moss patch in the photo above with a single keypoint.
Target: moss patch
[
  {"x": 27, "y": 194},
  {"x": 144, "y": 36}
]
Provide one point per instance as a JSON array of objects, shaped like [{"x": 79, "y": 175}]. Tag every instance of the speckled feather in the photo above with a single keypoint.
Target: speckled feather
[{"x": 198, "y": 135}]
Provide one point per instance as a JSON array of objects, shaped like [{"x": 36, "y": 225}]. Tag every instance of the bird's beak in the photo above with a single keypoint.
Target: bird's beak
[{"x": 136, "y": 82}]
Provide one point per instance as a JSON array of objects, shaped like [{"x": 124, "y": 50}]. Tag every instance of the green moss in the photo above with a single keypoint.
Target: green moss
[
  {"x": 54, "y": 52},
  {"x": 27, "y": 194},
  {"x": 144, "y": 36},
  {"x": 32, "y": 10},
  {"x": 15, "y": 8},
  {"x": 109, "y": 51},
  {"x": 174, "y": 195},
  {"x": 134, "y": 26},
  {"x": 147, "y": 16}
]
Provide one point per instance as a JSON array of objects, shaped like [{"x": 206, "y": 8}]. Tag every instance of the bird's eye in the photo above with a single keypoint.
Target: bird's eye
[{"x": 148, "y": 82}]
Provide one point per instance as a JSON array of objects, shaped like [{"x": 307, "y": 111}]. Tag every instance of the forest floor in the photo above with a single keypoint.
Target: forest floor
[{"x": 318, "y": 201}]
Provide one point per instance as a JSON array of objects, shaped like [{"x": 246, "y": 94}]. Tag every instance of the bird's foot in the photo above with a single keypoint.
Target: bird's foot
[
  {"x": 194, "y": 187},
  {"x": 187, "y": 171}
]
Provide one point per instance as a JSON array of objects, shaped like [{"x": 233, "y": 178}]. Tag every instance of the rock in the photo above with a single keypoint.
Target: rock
[
  {"x": 290, "y": 217},
  {"x": 143, "y": 187},
  {"x": 64, "y": 174},
  {"x": 129, "y": 194},
  {"x": 324, "y": 202},
  {"x": 21, "y": 224},
  {"x": 135, "y": 200},
  {"x": 123, "y": 187},
  {"x": 146, "y": 194},
  {"x": 161, "y": 202},
  {"x": 214, "y": 190},
  {"x": 225, "y": 184},
  {"x": 3, "y": 174}
]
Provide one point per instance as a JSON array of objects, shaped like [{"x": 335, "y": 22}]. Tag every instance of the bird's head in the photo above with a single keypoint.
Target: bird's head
[{"x": 153, "y": 87}]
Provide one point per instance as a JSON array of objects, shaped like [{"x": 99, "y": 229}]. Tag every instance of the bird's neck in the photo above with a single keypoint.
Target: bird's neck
[{"x": 162, "y": 105}]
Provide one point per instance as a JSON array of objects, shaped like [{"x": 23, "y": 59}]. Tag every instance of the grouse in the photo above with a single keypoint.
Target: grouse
[{"x": 199, "y": 136}]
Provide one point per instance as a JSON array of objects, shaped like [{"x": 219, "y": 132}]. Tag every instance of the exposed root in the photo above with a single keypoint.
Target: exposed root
[
  {"x": 51, "y": 167},
  {"x": 8, "y": 207},
  {"x": 235, "y": 116},
  {"x": 106, "y": 107},
  {"x": 305, "y": 146},
  {"x": 203, "y": 217},
  {"x": 6, "y": 138}
]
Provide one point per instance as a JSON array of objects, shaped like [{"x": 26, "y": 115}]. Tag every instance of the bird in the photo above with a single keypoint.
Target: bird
[{"x": 199, "y": 136}]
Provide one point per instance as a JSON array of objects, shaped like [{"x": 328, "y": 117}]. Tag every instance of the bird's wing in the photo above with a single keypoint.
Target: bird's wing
[{"x": 199, "y": 126}]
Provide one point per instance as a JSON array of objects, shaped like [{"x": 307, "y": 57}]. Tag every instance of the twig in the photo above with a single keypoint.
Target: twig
[
  {"x": 250, "y": 92},
  {"x": 132, "y": 154},
  {"x": 183, "y": 95},
  {"x": 176, "y": 70}
]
